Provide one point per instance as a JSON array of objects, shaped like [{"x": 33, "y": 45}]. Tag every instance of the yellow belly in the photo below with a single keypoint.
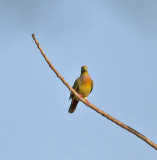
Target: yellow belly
[{"x": 84, "y": 90}]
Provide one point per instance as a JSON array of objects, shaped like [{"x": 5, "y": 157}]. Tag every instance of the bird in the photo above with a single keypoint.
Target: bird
[{"x": 83, "y": 86}]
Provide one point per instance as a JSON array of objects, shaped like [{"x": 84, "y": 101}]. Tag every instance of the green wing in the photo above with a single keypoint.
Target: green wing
[
  {"x": 92, "y": 84},
  {"x": 75, "y": 86}
]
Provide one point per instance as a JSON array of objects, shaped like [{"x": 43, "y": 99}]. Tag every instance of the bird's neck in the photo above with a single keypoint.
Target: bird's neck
[{"x": 84, "y": 74}]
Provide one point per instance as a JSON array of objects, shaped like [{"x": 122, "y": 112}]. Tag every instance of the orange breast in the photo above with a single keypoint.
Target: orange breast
[{"x": 85, "y": 86}]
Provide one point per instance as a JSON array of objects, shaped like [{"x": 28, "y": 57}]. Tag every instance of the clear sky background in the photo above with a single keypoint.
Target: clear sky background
[{"x": 117, "y": 40}]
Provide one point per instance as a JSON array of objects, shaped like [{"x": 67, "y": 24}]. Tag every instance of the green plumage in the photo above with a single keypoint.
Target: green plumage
[{"x": 83, "y": 86}]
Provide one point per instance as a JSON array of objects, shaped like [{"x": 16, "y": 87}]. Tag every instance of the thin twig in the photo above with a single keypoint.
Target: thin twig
[{"x": 91, "y": 105}]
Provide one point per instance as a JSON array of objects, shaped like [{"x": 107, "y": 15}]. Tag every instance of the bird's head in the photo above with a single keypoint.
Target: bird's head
[{"x": 84, "y": 69}]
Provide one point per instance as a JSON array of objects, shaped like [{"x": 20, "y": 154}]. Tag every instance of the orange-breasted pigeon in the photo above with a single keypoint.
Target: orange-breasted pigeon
[{"x": 83, "y": 86}]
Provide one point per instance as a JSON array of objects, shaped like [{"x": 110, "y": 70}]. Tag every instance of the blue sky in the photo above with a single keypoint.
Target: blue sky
[{"x": 116, "y": 40}]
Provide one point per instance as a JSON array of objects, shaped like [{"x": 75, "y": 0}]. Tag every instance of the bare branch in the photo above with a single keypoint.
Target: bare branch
[{"x": 91, "y": 105}]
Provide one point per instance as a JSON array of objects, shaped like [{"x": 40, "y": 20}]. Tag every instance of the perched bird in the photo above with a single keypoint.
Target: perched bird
[{"x": 83, "y": 86}]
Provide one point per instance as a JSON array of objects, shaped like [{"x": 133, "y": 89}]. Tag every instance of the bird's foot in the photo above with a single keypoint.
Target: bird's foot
[
  {"x": 80, "y": 95},
  {"x": 87, "y": 101}
]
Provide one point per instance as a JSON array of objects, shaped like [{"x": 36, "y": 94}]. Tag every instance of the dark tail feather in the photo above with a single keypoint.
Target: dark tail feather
[{"x": 73, "y": 106}]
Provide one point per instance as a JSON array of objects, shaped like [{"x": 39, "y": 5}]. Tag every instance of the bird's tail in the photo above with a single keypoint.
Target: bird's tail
[{"x": 73, "y": 106}]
